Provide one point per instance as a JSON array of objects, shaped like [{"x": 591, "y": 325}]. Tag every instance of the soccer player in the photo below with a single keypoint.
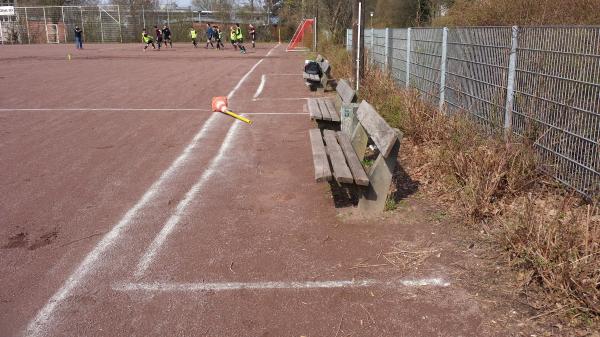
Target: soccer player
[
  {"x": 218, "y": 37},
  {"x": 194, "y": 36},
  {"x": 147, "y": 39},
  {"x": 233, "y": 37},
  {"x": 166, "y": 32},
  {"x": 252, "y": 30},
  {"x": 240, "y": 38},
  {"x": 209, "y": 36},
  {"x": 78, "y": 38},
  {"x": 159, "y": 36}
]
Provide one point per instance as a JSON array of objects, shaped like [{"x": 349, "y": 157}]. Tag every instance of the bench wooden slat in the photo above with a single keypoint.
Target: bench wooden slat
[
  {"x": 312, "y": 77},
  {"x": 332, "y": 112},
  {"x": 313, "y": 109},
  {"x": 324, "y": 109},
  {"x": 358, "y": 172},
  {"x": 382, "y": 134},
  {"x": 341, "y": 172},
  {"x": 322, "y": 170},
  {"x": 345, "y": 91}
]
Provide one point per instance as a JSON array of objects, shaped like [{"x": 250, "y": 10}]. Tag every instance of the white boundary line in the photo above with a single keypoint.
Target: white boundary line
[
  {"x": 298, "y": 74},
  {"x": 195, "y": 287},
  {"x": 44, "y": 316},
  {"x": 172, "y": 222},
  {"x": 274, "y": 113},
  {"x": 281, "y": 99},
  {"x": 100, "y": 109},
  {"x": 261, "y": 86}
]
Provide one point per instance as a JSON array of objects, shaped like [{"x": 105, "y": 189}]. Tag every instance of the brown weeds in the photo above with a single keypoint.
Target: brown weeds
[{"x": 549, "y": 235}]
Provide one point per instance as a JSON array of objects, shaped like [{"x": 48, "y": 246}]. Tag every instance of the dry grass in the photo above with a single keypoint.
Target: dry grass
[
  {"x": 522, "y": 12},
  {"x": 548, "y": 234}
]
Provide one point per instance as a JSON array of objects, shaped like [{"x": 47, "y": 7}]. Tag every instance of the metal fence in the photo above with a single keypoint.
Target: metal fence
[
  {"x": 541, "y": 83},
  {"x": 112, "y": 23}
]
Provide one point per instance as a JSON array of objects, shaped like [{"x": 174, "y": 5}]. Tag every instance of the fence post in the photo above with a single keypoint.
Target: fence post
[
  {"x": 62, "y": 13},
  {"x": 101, "y": 27},
  {"x": 81, "y": 13},
  {"x": 27, "y": 25},
  {"x": 1, "y": 33},
  {"x": 387, "y": 53},
  {"x": 372, "y": 52},
  {"x": 443, "y": 68},
  {"x": 510, "y": 86},
  {"x": 144, "y": 16},
  {"x": 45, "y": 24},
  {"x": 408, "y": 33},
  {"x": 120, "y": 26}
]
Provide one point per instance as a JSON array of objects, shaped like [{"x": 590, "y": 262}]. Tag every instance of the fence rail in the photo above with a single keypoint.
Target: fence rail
[
  {"x": 112, "y": 23},
  {"x": 542, "y": 83}
]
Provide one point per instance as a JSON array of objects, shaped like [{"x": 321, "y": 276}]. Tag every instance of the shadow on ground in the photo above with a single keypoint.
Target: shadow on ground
[{"x": 403, "y": 186}]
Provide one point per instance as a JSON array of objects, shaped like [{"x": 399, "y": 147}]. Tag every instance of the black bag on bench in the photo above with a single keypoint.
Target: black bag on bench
[{"x": 313, "y": 68}]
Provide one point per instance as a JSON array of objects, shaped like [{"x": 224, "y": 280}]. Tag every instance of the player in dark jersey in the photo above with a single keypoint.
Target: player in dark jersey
[
  {"x": 252, "y": 31},
  {"x": 209, "y": 36},
  {"x": 218, "y": 34},
  {"x": 166, "y": 32},
  {"x": 159, "y": 36}
]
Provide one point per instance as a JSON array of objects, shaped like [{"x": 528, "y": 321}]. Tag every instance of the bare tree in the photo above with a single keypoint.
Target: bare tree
[{"x": 337, "y": 16}]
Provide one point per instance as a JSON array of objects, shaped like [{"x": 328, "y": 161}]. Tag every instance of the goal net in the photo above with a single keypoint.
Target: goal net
[
  {"x": 52, "y": 33},
  {"x": 303, "y": 37}
]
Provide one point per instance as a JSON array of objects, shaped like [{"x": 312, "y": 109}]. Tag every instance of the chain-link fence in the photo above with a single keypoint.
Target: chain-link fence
[
  {"x": 542, "y": 83},
  {"x": 111, "y": 23}
]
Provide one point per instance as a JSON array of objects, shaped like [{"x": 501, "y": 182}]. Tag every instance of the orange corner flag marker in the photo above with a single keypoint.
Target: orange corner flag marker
[{"x": 219, "y": 104}]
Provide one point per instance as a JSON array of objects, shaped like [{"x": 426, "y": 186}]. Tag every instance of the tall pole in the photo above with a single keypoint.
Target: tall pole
[
  {"x": 168, "y": 17},
  {"x": 360, "y": 42},
  {"x": 316, "y": 27},
  {"x": 354, "y": 39}
]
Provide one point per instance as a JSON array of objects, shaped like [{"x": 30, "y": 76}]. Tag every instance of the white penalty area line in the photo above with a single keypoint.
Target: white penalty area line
[
  {"x": 261, "y": 86},
  {"x": 37, "y": 326},
  {"x": 291, "y": 285}
]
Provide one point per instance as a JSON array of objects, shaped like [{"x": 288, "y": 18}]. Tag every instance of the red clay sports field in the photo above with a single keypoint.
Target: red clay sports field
[{"x": 127, "y": 208}]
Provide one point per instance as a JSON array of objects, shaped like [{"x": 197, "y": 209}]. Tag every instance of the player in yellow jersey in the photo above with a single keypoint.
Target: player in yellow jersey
[
  {"x": 147, "y": 39},
  {"x": 194, "y": 36}
]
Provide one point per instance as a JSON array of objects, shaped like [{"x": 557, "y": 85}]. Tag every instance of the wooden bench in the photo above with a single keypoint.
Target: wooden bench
[
  {"x": 338, "y": 155},
  {"x": 326, "y": 108},
  {"x": 316, "y": 81}
]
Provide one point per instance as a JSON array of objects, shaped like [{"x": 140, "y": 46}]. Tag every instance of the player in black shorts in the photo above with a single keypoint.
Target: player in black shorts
[
  {"x": 252, "y": 31},
  {"x": 159, "y": 36},
  {"x": 166, "y": 32},
  {"x": 218, "y": 34}
]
